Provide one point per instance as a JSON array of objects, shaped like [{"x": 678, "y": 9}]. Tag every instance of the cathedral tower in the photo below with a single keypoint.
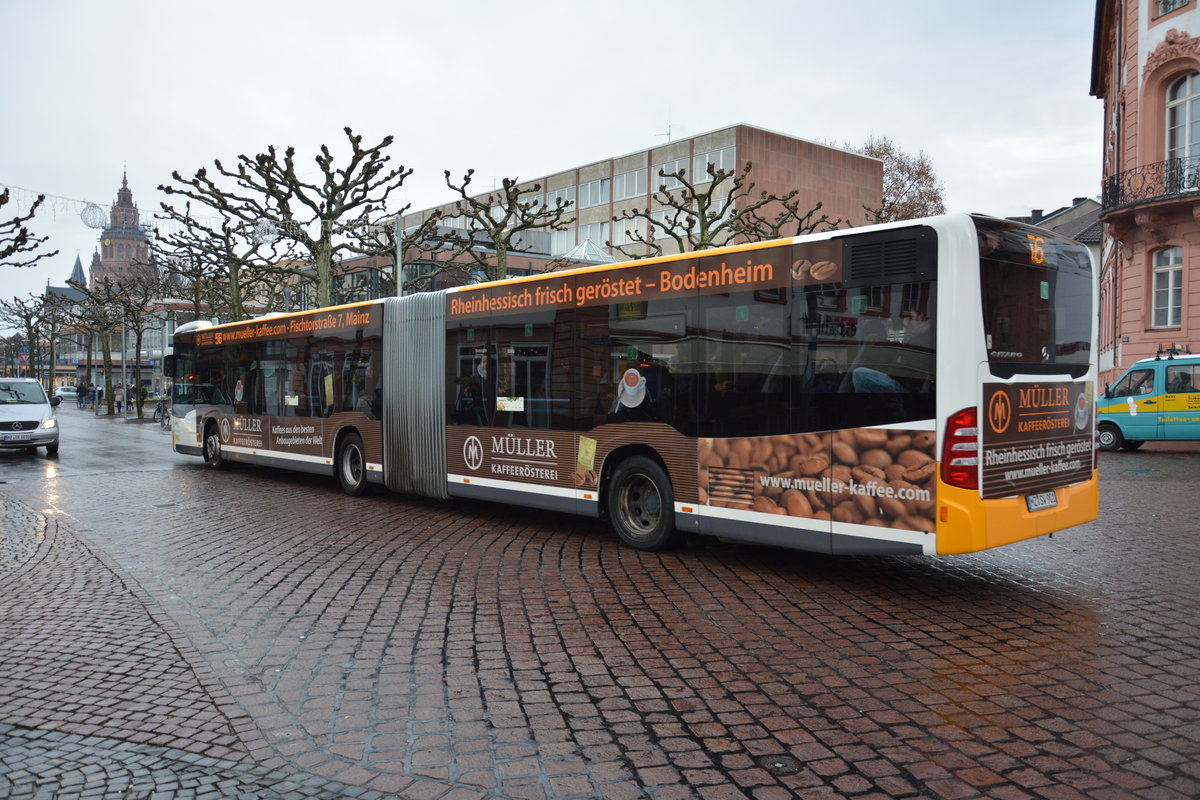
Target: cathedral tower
[{"x": 124, "y": 245}]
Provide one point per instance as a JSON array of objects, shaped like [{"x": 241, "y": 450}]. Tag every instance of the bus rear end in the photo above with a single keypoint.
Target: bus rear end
[{"x": 1017, "y": 453}]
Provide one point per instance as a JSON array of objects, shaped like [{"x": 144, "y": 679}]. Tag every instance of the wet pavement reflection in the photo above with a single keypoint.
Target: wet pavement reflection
[{"x": 470, "y": 650}]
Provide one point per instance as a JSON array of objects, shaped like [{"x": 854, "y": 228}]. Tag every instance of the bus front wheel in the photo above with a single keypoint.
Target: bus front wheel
[
  {"x": 212, "y": 447},
  {"x": 1110, "y": 438},
  {"x": 352, "y": 465},
  {"x": 641, "y": 504}
]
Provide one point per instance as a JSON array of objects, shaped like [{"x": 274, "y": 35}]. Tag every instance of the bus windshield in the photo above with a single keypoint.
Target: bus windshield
[{"x": 1037, "y": 300}]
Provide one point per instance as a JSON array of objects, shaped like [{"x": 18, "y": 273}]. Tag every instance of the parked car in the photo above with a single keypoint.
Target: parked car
[
  {"x": 67, "y": 393},
  {"x": 27, "y": 418}
]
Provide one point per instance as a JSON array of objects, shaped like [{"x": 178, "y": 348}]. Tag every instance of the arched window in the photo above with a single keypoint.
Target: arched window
[
  {"x": 1168, "y": 287},
  {"x": 1183, "y": 118}
]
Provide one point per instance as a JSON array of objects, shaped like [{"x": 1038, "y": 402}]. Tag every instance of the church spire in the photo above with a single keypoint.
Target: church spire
[{"x": 77, "y": 275}]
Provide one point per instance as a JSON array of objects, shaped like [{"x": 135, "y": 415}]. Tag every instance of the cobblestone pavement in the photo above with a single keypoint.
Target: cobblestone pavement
[{"x": 279, "y": 631}]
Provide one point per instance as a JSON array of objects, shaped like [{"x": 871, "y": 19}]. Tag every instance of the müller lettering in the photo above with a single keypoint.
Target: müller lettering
[
  {"x": 1045, "y": 397},
  {"x": 511, "y": 445}
]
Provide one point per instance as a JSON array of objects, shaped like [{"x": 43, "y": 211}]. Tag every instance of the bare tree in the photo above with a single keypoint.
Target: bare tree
[
  {"x": 100, "y": 312},
  {"x": 27, "y": 313},
  {"x": 138, "y": 302},
  {"x": 10, "y": 352},
  {"x": 911, "y": 188},
  {"x": 315, "y": 215},
  {"x": 54, "y": 318},
  {"x": 18, "y": 246},
  {"x": 379, "y": 241},
  {"x": 228, "y": 258},
  {"x": 186, "y": 275},
  {"x": 719, "y": 210},
  {"x": 495, "y": 222}
]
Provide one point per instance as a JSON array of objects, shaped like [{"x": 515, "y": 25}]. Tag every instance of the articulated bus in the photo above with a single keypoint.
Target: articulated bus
[{"x": 915, "y": 387}]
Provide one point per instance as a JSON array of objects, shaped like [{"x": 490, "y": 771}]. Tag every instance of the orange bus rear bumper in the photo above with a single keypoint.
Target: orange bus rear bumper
[{"x": 967, "y": 523}]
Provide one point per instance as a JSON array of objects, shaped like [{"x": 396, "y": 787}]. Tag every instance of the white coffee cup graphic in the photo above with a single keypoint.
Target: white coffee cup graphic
[{"x": 633, "y": 388}]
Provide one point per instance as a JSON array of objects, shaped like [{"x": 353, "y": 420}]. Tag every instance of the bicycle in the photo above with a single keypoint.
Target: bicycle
[{"x": 162, "y": 414}]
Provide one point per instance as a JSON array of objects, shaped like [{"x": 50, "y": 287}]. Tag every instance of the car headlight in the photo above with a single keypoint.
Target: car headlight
[{"x": 50, "y": 423}]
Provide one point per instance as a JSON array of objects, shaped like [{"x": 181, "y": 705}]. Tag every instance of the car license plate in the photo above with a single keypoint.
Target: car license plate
[
  {"x": 1040, "y": 501},
  {"x": 17, "y": 437}
]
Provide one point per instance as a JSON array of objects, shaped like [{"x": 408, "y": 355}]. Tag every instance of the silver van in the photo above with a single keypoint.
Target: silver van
[{"x": 27, "y": 418}]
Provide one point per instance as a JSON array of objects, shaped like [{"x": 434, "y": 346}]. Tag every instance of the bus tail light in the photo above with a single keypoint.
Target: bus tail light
[{"x": 960, "y": 450}]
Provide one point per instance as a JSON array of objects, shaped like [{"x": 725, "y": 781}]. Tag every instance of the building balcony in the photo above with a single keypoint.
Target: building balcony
[{"x": 1176, "y": 178}]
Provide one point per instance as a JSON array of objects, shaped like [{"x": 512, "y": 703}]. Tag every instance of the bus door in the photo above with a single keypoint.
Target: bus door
[
  {"x": 1180, "y": 414},
  {"x": 1135, "y": 403}
]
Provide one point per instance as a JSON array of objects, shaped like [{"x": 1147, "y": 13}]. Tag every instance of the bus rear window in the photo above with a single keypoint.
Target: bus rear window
[{"x": 1037, "y": 300}]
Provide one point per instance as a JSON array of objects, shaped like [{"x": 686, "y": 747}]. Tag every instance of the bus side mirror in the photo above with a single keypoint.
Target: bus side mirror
[{"x": 1106, "y": 394}]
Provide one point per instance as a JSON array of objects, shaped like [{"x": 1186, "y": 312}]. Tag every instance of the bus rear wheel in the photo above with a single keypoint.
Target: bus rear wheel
[
  {"x": 641, "y": 504},
  {"x": 352, "y": 465},
  {"x": 1110, "y": 438},
  {"x": 212, "y": 447}
]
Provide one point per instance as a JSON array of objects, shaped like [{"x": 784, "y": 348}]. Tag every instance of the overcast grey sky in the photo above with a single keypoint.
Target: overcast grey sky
[{"x": 995, "y": 93}]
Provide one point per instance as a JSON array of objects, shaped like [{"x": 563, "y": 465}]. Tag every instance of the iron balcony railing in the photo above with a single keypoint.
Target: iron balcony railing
[{"x": 1163, "y": 180}]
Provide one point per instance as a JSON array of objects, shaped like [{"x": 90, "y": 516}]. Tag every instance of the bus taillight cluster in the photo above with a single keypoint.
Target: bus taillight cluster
[{"x": 960, "y": 450}]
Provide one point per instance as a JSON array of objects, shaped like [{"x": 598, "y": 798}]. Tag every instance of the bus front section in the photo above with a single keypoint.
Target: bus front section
[{"x": 1017, "y": 453}]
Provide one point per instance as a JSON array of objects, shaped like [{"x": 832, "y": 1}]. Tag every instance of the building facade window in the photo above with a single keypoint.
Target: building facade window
[
  {"x": 567, "y": 195},
  {"x": 1183, "y": 118},
  {"x": 1167, "y": 6},
  {"x": 561, "y": 241},
  {"x": 719, "y": 159},
  {"x": 624, "y": 231},
  {"x": 1168, "y": 287},
  {"x": 668, "y": 167},
  {"x": 594, "y": 193},
  {"x": 596, "y": 231},
  {"x": 630, "y": 184}
]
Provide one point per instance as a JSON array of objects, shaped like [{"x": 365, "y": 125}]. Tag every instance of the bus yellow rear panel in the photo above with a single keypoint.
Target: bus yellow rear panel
[{"x": 968, "y": 523}]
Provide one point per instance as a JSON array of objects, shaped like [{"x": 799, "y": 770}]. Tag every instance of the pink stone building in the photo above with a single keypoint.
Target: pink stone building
[{"x": 1146, "y": 69}]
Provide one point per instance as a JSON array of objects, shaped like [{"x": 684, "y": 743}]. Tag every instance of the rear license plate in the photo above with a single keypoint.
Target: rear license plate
[
  {"x": 1040, "y": 501},
  {"x": 17, "y": 437}
]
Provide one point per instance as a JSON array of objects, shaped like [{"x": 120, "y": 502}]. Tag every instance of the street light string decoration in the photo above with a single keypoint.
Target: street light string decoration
[
  {"x": 93, "y": 215},
  {"x": 96, "y": 216}
]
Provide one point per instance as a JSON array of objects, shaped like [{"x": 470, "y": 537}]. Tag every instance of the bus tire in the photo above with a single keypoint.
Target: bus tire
[
  {"x": 641, "y": 504},
  {"x": 212, "y": 447},
  {"x": 351, "y": 464},
  {"x": 1131, "y": 444},
  {"x": 1110, "y": 438}
]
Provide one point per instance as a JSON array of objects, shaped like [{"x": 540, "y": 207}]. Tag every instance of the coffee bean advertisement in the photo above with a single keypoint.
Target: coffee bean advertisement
[{"x": 867, "y": 476}]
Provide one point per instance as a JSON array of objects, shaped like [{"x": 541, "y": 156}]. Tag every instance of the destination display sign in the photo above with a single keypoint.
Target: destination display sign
[{"x": 326, "y": 323}]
